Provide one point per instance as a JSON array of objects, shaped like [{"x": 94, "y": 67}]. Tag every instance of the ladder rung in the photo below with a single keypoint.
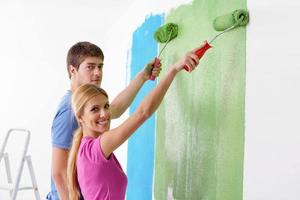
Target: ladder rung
[
  {"x": 27, "y": 188},
  {"x": 10, "y": 186}
]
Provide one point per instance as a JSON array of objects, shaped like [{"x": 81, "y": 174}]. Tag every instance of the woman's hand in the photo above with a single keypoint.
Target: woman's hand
[{"x": 190, "y": 59}]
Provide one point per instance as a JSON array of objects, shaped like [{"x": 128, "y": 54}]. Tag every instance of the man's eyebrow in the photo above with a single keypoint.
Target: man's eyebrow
[{"x": 91, "y": 63}]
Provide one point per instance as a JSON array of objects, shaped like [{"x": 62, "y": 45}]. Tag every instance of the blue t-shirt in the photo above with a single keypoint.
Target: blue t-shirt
[{"x": 63, "y": 128}]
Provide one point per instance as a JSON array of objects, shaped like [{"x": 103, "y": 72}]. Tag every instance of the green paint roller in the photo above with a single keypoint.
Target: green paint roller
[
  {"x": 164, "y": 34},
  {"x": 233, "y": 19},
  {"x": 224, "y": 23}
]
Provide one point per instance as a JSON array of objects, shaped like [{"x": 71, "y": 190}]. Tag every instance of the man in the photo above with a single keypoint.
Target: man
[{"x": 84, "y": 64}]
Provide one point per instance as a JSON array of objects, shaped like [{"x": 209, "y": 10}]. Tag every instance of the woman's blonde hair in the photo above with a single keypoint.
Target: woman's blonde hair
[{"x": 80, "y": 97}]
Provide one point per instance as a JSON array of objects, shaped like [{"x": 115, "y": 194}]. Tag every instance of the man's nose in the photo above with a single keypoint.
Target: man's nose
[{"x": 97, "y": 71}]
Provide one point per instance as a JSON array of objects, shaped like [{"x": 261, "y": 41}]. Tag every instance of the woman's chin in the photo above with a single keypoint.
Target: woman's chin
[{"x": 103, "y": 129}]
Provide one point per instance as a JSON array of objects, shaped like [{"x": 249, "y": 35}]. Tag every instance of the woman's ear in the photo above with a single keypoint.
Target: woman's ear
[{"x": 80, "y": 121}]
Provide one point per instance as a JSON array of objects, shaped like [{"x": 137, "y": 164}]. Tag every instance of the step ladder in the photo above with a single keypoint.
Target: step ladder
[{"x": 13, "y": 186}]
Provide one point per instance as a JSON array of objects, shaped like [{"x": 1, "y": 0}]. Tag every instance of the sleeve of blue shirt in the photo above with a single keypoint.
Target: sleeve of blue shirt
[{"x": 63, "y": 128}]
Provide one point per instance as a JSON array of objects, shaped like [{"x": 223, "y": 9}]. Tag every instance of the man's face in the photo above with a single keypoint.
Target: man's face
[{"x": 89, "y": 71}]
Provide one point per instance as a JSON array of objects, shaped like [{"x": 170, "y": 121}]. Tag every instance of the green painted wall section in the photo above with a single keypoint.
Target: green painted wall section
[{"x": 200, "y": 124}]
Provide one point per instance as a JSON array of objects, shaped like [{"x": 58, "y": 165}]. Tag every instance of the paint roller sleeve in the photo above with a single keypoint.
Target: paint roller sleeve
[
  {"x": 162, "y": 34},
  {"x": 235, "y": 18}
]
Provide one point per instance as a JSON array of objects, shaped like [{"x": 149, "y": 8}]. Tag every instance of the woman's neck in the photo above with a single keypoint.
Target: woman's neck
[{"x": 87, "y": 132}]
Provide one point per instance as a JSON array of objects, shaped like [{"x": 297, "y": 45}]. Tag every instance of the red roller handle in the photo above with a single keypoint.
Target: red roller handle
[
  {"x": 155, "y": 65},
  {"x": 200, "y": 52}
]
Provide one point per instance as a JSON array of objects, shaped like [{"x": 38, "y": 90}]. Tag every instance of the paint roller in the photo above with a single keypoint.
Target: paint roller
[
  {"x": 164, "y": 34},
  {"x": 222, "y": 23}
]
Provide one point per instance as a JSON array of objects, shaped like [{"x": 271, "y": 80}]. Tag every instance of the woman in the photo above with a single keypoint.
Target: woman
[{"x": 93, "y": 169}]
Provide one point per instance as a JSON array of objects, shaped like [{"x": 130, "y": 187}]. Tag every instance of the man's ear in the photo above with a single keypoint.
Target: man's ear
[{"x": 72, "y": 70}]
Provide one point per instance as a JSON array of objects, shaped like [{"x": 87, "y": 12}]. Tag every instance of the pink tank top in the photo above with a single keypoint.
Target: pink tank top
[{"x": 99, "y": 178}]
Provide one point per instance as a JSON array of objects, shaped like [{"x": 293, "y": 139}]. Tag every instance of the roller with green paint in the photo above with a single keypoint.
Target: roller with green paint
[
  {"x": 222, "y": 23},
  {"x": 231, "y": 20},
  {"x": 164, "y": 34}
]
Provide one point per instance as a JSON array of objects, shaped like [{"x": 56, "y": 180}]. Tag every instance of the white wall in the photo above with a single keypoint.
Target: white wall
[
  {"x": 35, "y": 37},
  {"x": 272, "y": 140}
]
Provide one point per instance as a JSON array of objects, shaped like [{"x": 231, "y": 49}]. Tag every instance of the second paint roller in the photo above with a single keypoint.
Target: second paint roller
[{"x": 222, "y": 23}]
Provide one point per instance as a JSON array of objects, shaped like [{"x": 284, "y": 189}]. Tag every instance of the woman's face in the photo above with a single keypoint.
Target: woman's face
[{"x": 96, "y": 115}]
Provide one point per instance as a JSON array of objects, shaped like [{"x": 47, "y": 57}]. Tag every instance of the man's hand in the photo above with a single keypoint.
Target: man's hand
[{"x": 149, "y": 70}]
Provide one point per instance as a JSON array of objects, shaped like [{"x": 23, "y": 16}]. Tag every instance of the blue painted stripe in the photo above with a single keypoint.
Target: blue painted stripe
[{"x": 140, "y": 161}]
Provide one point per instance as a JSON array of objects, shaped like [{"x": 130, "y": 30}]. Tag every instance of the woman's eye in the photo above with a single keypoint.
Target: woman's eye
[
  {"x": 95, "y": 109},
  {"x": 106, "y": 106}
]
